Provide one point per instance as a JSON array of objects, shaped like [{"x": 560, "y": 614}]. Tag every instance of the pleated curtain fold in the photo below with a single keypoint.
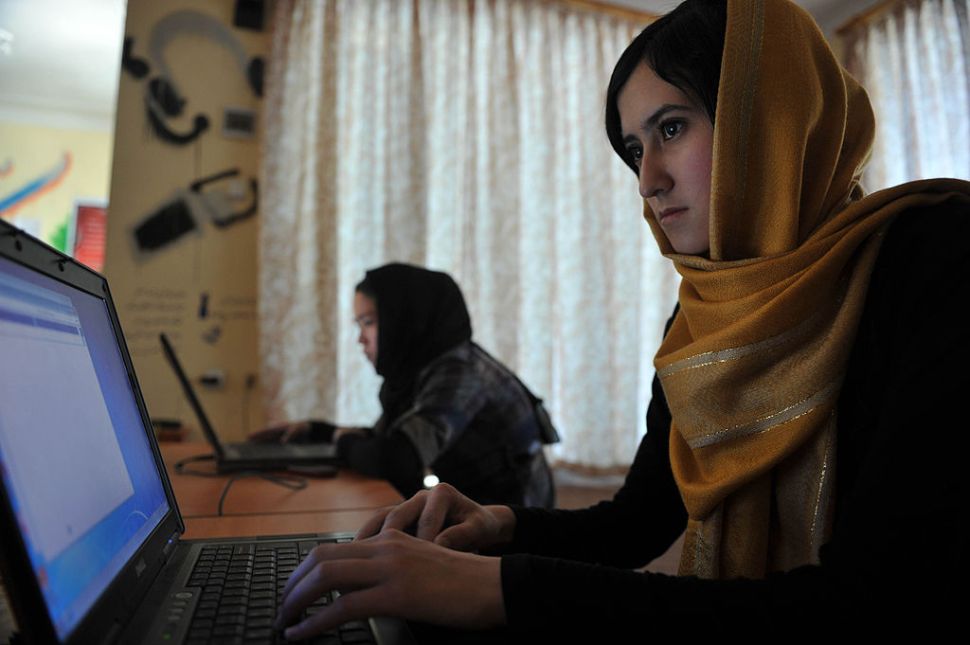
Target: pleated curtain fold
[{"x": 465, "y": 136}]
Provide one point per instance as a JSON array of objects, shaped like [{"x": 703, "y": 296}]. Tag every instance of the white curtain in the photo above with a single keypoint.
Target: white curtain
[
  {"x": 914, "y": 60},
  {"x": 467, "y": 137}
]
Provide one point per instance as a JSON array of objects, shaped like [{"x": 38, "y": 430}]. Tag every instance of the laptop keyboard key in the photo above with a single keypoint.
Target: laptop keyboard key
[
  {"x": 230, "y": 620},
  {"x": 226, "y": 640},
  {"x": 259, "y": 634}
]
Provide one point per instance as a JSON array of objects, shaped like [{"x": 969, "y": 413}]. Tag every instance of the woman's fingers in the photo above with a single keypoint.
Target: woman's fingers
[
  {"x": 393, "y": 574},
  {"x": 322, "y": 553},
  {"x": 281, "y": 433},
  {"x": 320, "y": 578},
  {"x": 373, "y": 524},
  {"x": 430, "y": 512},
  {"x": 355, "y": 605},
  {"x": 480, "y": 528},
  {"x": 460, "y": 537},
  {"x": 406, "y": 514},
  {"x": 301, "y": 570},
  {"x": 267, "y": 435},
  {"x": 294, "y": 431},
  {"x": 443, "y": 502}
]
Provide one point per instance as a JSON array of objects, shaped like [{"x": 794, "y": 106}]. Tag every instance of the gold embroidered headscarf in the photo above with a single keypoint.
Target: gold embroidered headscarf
[{"x": 753, "y": 364}]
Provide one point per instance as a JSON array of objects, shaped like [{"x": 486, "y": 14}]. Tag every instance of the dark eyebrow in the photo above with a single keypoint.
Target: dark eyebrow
[
  {"x": 628, "y": 139},
  {"x": 650, "y": 122}
]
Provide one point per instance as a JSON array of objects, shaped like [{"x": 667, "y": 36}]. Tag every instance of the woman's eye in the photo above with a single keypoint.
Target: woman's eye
[
  {"x": 670, "y": 129},
  {"x": 634, "y": 154}
]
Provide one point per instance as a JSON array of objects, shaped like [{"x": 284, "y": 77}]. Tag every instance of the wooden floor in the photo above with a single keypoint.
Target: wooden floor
[{"x": 582, "y": 496}]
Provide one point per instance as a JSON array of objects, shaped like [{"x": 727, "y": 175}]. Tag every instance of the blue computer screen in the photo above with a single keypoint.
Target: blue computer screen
[{"x": 75, "y": 456}]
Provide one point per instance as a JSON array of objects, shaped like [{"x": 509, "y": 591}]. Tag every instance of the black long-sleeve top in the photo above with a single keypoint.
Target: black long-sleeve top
[{"x": 898, "y": 551}]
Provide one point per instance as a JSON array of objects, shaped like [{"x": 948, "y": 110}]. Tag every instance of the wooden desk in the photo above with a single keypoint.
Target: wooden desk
[{"x": 255, "y": 506}]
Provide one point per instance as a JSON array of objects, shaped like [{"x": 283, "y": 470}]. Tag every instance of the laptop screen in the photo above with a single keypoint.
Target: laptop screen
[{"x": 74, "y": 453}]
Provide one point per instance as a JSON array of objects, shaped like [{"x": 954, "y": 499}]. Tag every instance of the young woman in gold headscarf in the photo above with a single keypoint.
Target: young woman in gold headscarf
[{"x": 805, "y": 424}]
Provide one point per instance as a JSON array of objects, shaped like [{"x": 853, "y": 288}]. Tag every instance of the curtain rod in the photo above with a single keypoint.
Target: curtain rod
[
  {"x": 875, "y": 11},
  {"x": 608, "y": 8}
]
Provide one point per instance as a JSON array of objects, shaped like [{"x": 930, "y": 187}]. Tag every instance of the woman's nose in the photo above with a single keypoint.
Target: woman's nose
[{"x": 654, "y": 178}]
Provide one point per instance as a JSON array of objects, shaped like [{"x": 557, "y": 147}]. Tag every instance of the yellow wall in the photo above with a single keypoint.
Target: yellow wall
[
  {"x": 161, "y": 290},
  {"x": 28, "y": 152}
]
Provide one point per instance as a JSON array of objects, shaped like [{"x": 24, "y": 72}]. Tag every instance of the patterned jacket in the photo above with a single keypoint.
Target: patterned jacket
[{"x": 472, "y": 424}]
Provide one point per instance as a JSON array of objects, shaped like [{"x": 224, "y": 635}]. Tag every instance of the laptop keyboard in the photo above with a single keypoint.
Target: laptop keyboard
[{"x": 240, "y": 591}]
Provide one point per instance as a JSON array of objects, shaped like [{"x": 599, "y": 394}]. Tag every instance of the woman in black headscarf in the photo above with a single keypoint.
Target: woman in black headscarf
[{"x": 448, "y": 408}]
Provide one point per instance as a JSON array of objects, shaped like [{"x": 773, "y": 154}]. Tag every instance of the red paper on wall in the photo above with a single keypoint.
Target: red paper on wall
[{"x": 90, "y": 235}]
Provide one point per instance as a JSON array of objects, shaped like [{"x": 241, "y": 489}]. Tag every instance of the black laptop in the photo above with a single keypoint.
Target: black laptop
[
  {"x": 89, "y": 527},
  {"x": 249, "y": 456}
]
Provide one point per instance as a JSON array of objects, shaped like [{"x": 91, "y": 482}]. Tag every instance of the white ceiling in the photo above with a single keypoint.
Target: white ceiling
[{"x": 60, "y": 59}]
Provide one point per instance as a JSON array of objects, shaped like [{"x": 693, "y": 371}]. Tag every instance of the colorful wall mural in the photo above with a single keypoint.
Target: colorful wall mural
[{"x": 50, "y": 175}]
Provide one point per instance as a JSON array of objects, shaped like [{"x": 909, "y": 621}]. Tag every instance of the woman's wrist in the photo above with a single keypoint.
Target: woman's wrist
[
  {"x": 505, "y": 517},
  {"x": 490, "y": 602}
]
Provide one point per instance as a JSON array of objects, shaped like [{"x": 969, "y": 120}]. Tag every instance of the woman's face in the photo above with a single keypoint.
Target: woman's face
[
  {"x": 365, "y": 315},
  {"x": 669, "y": 139}
]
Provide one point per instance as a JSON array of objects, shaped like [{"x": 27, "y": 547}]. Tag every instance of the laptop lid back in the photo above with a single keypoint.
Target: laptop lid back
[{"x": 86, "y": 510}]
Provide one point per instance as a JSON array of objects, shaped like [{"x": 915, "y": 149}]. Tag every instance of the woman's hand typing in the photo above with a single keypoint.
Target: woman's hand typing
[
  {"x": 284, "y": 433},
  {"x": 393, "y": 574},
  {"x": 446, "y": 517}
]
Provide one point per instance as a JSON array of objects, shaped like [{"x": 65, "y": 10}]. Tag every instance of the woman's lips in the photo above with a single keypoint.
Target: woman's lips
[{"x": 670, "y": 212}]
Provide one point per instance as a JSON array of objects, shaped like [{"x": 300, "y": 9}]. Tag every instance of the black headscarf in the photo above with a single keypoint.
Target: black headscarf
[{"x": 421, "y": 314}]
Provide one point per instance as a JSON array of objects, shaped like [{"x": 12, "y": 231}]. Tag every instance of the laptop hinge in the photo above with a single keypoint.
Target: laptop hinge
[
  {"x": 170, "y": 545},
  {"x": 114, "y": 633}
]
